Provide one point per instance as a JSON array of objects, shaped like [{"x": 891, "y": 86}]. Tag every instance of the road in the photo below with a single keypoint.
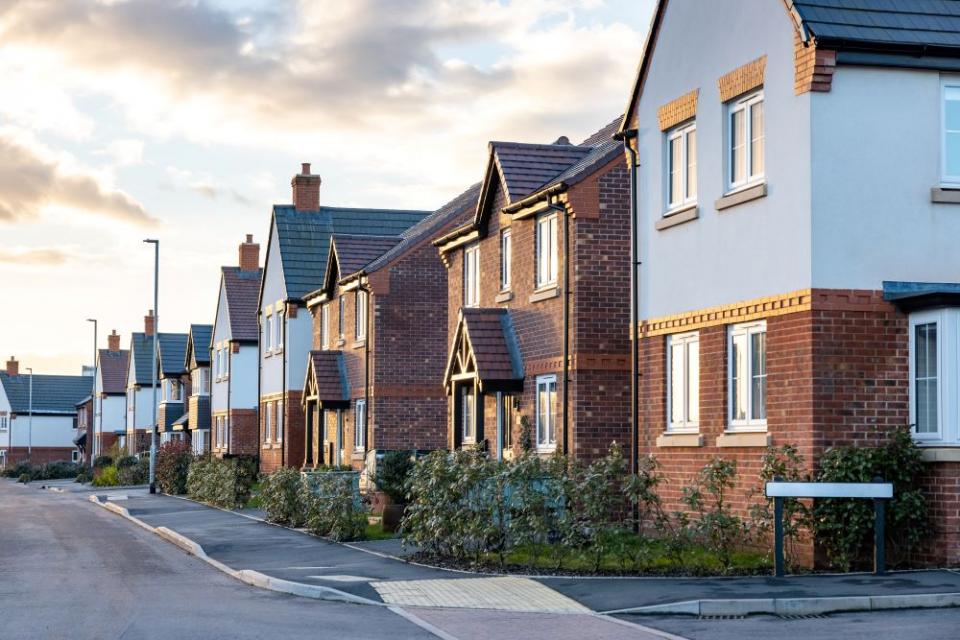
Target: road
[{"x": 72, "y": 570}]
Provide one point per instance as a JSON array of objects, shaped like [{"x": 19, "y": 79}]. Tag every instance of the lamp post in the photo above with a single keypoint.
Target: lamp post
[
  {"x": 30, "y": 419},
  {"x": 92, "y": 429},
  {"x": 153, "y": 370}
]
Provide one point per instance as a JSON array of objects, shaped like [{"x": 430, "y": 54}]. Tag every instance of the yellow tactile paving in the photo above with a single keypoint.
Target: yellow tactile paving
[{"x": 506, "y": 593}]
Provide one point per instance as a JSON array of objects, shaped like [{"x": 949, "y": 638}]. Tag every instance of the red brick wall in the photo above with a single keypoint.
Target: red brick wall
[
  {"x": 290, "y": 452},
  {"x": 39, "y": 455},
  {"x": 244, "y": 436}
]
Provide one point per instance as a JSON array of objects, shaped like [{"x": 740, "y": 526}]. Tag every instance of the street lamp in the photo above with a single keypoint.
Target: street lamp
[
  {"x": 153, "y": 370},
  {"x": 30, "y": 419},
  {"x": 92, "y": 429}
]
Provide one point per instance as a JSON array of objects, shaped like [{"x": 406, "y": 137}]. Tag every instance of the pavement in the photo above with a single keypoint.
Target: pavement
[{"x": 369, "y": 572}]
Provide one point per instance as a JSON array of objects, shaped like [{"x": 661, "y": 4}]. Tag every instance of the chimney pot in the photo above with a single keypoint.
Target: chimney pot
[
  {"x": 113, "y": 342},
  {"x": 13, "y": 367},
  {"x": 306, "y": 190},
  {"x": 249, "y": 254},
  {"x": 149, "y": 322}
]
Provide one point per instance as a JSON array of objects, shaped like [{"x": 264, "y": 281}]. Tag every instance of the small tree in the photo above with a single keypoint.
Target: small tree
[
  {"x": 392, "y": 475},
  {"x": 173, "y": 464},
  {"x": 708, "y": 498},
  {"x": 283, "y": 496}
]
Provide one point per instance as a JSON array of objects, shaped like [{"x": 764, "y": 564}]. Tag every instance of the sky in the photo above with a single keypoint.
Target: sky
[{"x": 185, "y": 120}]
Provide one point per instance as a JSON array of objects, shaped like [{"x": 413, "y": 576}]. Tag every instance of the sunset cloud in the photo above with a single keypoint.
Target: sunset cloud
[
  {"x": 29, "y": 182},
  {"x": 46, "y": 257}
]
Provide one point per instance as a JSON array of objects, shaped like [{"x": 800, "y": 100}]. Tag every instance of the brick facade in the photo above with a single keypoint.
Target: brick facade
[
  {"x": 290, "y": 451},
  {"x": 837, "y": 374},
  {"x": 598, "y": 401},
  {"x": 39, "y": 455}
]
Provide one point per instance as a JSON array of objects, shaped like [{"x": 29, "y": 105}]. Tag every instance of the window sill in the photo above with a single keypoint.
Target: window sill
[
  {"x": 678, "y": 216},
  {"x": 267, "y": 354},
  {"x": 358, "y": 454},
  {"x": 679, "y": 439},
  {"x": 940, "y": 453},
  {"x": 358, "y": 343},
  {"x": 504, "y": 296},
  {"x": 945, "y": 195},
  {"x": 740, "y": 196},
  {"x": 744, "y": 439},
  {"x": 546, "y": 293},
  {"x": 547, "y": 450}
]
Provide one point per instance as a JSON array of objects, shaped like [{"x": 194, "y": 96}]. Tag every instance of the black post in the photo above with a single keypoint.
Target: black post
[
  {"x": 778, "y": 537},
  {"x": 879, "y": 533}
]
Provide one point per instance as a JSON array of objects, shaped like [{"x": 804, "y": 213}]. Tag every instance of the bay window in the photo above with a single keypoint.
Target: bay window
[{"x": 747, "y": 376}]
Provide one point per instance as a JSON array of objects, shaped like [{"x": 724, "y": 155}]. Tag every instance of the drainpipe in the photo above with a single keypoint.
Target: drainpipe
[
  {"x": 283, "y": 386},
  {"x": 259, "y": 382},
  {"x": 627, "y": 136},
  {"x": 368, "y": 441},
  {"x": 566, "y": 327}
]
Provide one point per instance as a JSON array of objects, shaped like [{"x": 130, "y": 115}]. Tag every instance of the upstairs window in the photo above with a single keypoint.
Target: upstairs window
[
  {"x": 683, "y": 381},
  {"x": 200, "y": 382},
  {"x": 682, "y": 166},
  {"x": 174, "y": 392},
  {"x": 471, "y": 276},
  {"x": 278, "y": 330},
  {"x": 325, "y": 326},
  {"x": 268, "y": 332},
  {"x": 360, "y": 318},
  {"x": 951, "y": 133},
  {"x": 746, "y": 141},
  {"x": 505, "y": 248},
  {"x": 748, "y": 376},
  {"x": 546, "y": 250}
]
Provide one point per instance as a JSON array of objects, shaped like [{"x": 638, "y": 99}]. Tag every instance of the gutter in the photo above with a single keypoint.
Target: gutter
[
  {"x": 627, "y": 136},
  {"x": 543, "y": 194}
]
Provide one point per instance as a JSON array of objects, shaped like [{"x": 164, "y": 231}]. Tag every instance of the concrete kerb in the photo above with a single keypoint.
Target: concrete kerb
[
  {"x": 247, "y": 576},
  {"x": 795, "y": 606}
]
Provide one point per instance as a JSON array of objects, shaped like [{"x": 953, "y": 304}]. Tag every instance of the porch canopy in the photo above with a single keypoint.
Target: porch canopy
[
  {"x": 485, "y": 350},
  {"x": 326, "y": 383}
]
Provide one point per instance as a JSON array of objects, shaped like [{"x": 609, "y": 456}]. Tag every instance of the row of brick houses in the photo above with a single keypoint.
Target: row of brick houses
[{"x": 785, "y": 273}]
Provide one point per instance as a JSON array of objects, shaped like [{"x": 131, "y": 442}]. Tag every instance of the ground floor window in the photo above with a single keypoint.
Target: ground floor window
[
  {"x": 505, "y": 422},
  {"x": 75, "y": 455},
  {"x": 547, "y": 412},
  {"x": 360, "y": 424},
  {"x": 267, "y": 420},
  {"x": 683, "y": 382},
  {"x": 468, "y": 414},
  {"x": 934, "y": 366},
  {"x": 279, "y": 422},
  {"x": 747, "y": 349}
]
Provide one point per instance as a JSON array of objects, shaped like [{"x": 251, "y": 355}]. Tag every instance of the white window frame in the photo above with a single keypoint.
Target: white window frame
[
  {"x": 267, "y": 416},
  {"x": 169, "y": 384},
  {"x": 468, "y": 423},
  {"x": 946, "y": 372},
  {"x": 75, "y": 455},
  {"x": 744, "y": 103},
  {"x": 359, "y": 425},
  {"x": 686, "y": 423},
  {"x": 341, "y": 311},
  {"x": 471, "y": 276},
  {"x": 547, "y": 254},
  {"x": 542, "y": 443},
  {"x": 750, "y": 423},
  {"x": 687, "y": 198},
  {"x": 278, "y": 326},
  {"x": 506, "y": 255},
  {"x": 278, "y": 421},
  {"x": 3, "y": 424},
  {"x": 325, "y": 326},
  {"x": 945, "y": 84},
  {"x": 361, "y": 309},
  {"x": 268, "y": 332}
]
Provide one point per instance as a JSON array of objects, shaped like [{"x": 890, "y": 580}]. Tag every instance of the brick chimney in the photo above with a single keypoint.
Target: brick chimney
[
  {"x": 148, "y": 323},
  {"x": 13, "y": 367},
  {"x": 249, "y": 254},
  {"x": 306, "y": 190},
  {"x": 113, "y": 342}
]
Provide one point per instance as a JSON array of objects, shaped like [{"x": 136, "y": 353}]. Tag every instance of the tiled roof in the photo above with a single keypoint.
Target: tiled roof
[
  {"x": 141, "y": 355},
  {"x": 458, "y": 210},
  {"x": 494, "y": 344},
  {"x": 242, "y": 290},
  {"x": 171, "y": 353},
  {"x": 354, "y": 252},
  {"x": 113, "y": 370},
  {"x": 304, "y": 238},
  {"x": 526, "y": 167},
  {"x": 327, "y": 368},
  {"x": 882, "y": 23},
  {"x": 198, "y": 344},
  {"x": 52, "y": 395}
]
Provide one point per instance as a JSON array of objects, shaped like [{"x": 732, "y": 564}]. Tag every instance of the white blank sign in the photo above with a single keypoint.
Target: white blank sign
[{"x": 829, "y": 490}]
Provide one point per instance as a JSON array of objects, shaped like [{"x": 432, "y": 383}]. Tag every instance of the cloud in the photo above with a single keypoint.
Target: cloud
[
  {"x": 29, "y": 182},
  {"x": 46, "y": 257},
  {"x": 123, "y": 152}
]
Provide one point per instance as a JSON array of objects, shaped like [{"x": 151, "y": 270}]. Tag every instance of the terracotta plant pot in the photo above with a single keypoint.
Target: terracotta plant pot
[{"x": 392, "y": 515}]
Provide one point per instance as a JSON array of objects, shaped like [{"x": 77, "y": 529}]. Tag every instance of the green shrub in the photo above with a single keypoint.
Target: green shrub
[
  {"x": 845, "y": 526},
  {"x": 333, "y": 510},
  {"x": 57, "y": 470},
  {"x": 173, "y": 464},
  {"x": 102, "y": 461},
  {"x": 106, "y": 477},
  {"x": 24, "y": 478},
  {"x": 284, "y": 497},
  {"x": 133, "y": 471},
  {"x": 715, "y": 524},
  {"x": 223, "y": 483},
  {"x": 785, "y": 464},
  {"x": 83, "y": 477},
  {"x": 392, "y": 474}
]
